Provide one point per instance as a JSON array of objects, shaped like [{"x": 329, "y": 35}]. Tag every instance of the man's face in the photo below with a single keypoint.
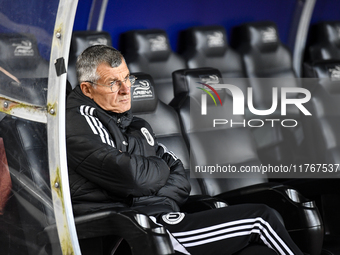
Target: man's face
[{"x": 119, "y": 101}]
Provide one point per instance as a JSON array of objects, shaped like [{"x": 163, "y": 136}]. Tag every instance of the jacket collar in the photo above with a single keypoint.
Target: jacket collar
[{"x": 123, "y": 120}]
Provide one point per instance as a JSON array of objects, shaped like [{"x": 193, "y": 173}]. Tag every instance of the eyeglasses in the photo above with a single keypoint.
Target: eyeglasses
[{"x": 116, "y": 85}]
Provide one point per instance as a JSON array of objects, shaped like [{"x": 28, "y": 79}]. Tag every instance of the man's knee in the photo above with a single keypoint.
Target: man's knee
[{"x": 269, "y": 213}]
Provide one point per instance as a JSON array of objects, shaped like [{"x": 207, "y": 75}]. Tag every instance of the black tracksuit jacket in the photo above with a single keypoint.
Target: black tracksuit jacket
[{"x": 114, "y": 160}]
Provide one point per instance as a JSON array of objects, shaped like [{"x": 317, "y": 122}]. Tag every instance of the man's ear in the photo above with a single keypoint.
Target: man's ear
[{"x": 86, "y": 88}]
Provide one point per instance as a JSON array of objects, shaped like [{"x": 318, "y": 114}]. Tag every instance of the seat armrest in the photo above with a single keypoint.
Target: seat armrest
[
  {"x": 300, "y": 215},
  {"x": 141, "y": 233},
  {"x": 199, "y": 203},
  {"x": 286, "y": 200}
]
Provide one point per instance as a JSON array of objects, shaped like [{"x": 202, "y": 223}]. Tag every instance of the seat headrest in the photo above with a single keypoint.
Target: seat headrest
[
  {"x": 328, "y": 74},
  {"x": 328, "y": 32},
  {"x": 184, "y": 77},
  {"x": 323, "y": 69},
  {"x": 143, "y": 96},
  {"x": 84, "y": 39},
  {"x": 151, "y": 43},
  {"x": 212, "y": 40},
  {"x": 19, "y": 51},
  {"x": 261, "y": 35}
]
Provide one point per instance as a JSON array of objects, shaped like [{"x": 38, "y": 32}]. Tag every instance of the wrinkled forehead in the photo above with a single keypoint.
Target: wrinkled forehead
[{"x": 105, "y": 71}]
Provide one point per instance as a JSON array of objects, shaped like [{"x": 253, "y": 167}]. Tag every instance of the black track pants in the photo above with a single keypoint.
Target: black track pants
[{"x": 228, "y": 230}]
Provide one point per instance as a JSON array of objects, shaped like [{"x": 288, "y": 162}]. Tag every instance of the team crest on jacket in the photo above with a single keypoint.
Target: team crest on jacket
[
  {"x": 148, "y": 136},
  {"x": 173, "y": 218}
]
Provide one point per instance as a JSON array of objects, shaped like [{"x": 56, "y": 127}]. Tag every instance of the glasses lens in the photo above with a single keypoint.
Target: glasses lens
[
  {"x": 115, "y": 86},
  {"x": 132, "y": 79}
]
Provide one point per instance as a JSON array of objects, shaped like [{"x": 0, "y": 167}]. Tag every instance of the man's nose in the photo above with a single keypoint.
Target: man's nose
[{"x": 125, "y": 87}]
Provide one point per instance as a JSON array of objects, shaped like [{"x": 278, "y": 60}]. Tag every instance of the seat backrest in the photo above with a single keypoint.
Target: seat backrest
[
  {"x": 262, "y": 52},
  {"x": 321, "y": 128},
  {"x": 162, "y": 118},
  {"x": 19, "y": 55},
  {"x": 79, "y": 42},
  {"x": 325, "y": 42},
  {"x": 225, "y": 145},
  {"x": 149, "y": 51}
]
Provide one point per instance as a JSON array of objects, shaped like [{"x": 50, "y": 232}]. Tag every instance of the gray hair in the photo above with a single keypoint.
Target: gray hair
[{"x": 89, "y": 59}]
